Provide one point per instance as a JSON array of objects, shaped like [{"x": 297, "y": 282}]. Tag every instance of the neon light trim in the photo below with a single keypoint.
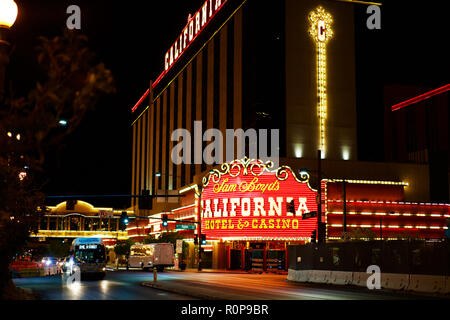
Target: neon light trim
[{"x": 420, "y": 98}]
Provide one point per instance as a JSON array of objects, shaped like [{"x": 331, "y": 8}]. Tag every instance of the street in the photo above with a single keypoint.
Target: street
[
  {"x": 127, "y": 285},
  {"x": 115, "y": 286}
]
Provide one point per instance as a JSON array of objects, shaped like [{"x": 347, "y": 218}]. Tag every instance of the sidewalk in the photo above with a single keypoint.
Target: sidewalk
[{"x": 182, "y": 290}]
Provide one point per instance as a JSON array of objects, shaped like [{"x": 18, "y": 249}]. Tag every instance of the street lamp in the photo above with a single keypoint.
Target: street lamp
[{"x": 8, "y": 15}]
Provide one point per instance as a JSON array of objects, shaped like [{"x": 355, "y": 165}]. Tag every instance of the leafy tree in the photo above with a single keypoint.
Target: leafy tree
[
  {"x": 58, "y": 248},
  {"x": 122, "y": 248},
  {"x": 71, "y": 84}
]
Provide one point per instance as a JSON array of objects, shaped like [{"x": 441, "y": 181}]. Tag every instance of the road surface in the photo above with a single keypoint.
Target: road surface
[
  {"x": 126, "y": 285},
  {"x": 115, "y": 286},
  {"x": 267, "y": 287}
]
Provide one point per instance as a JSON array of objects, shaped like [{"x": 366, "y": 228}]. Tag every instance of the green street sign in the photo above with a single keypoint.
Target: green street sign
[
  {"x": 309, "y": 215},
  {"x": 185, "y": 227}
]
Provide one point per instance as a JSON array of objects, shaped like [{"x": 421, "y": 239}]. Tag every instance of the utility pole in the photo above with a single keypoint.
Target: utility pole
[
  {"x": 200, "y": 232},
  {"x": 381, "y": 229},
  {"x": 345, "y": 205}
]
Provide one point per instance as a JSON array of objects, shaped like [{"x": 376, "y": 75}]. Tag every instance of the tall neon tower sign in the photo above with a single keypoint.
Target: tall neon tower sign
[{"x": 321, "y": 31}]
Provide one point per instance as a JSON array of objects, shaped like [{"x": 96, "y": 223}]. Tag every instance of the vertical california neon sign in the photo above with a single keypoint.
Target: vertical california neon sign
[{"x": 321, "y": 31}]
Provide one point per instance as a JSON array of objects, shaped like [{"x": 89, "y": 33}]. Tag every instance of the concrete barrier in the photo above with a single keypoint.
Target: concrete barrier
[
  {"x": 321, "y": 276},
  {"x": 446, "y": 289},
  {"x": 341, "y": 277},
  {"x": 426, "y": 283},
  {"x": 391, "y": 281},
  {"x": 307, "y": 275},
  {"x": 292, "y": 275},
  {"x": 360, "y": 279},
  {"x": 395, "y": 281},
  {"x": 300, "y": 275},
  {"x": 313, "y": 276}
]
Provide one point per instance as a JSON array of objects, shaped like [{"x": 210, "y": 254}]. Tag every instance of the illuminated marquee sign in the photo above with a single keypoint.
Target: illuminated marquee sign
[
  {"x": 321, "y": 31},
  {"x": 194, "y": 26},
  {"x": 248, "y": 200}
]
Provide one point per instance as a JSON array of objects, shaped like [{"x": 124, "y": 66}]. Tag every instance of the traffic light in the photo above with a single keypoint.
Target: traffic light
[
  {"x": 123, "y": 220},
  {"x": 165, "y": 217},
  {"x": 145, "y": 200},
  {"x": 196, "y": 240},
  {"x": 203, "y": 239},
  {"x": 291, "y": 207},
  {"x": 314, "y": 236}
]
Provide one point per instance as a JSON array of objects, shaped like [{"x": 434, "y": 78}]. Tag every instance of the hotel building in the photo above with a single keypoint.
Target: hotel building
[{"x": 286, "y": 65}]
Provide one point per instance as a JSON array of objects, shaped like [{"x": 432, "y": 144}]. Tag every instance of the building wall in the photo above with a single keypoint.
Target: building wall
[
  {"x": 207, "y": 88},
  {"x": 417, "y": 176},
  {"x": 419, "y": 134}
]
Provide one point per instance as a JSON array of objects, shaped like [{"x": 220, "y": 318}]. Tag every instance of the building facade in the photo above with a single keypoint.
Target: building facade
[
  {"x": 253, "y": 65},
  {"x": 417, "y": 131},
  {"x": 267, "y": 65},
  {"x": 81, "y": 219}
]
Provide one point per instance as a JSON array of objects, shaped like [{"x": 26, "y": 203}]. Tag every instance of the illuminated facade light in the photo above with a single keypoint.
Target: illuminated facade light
[
  {"x": 299, "y": 151},
  {"x": 187, "y": 189},
  {"x": 321, "y": 31},
  {"x": 392, "y": 183},
  {"x": 345, "y": 154}
]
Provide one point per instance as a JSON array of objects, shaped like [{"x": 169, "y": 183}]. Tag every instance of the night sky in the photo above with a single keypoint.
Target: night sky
[{"x": 131, "y": 37}]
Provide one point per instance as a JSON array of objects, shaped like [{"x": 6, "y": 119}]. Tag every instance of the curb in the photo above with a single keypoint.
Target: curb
[{"x": 180, "y": 291}]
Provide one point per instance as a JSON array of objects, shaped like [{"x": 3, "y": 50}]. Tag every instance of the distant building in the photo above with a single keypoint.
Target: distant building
[
  {"x": 419, "y": 133},
  {"x": 81, "y": 220}
]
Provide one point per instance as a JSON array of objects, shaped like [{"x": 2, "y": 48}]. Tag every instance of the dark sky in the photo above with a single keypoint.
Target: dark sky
[{"x": 131, "y": 37}]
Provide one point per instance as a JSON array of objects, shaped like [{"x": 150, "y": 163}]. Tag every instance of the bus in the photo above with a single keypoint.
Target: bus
[
  {"x": 155, "y": 255},
  {"x": 89, "y": 254}
]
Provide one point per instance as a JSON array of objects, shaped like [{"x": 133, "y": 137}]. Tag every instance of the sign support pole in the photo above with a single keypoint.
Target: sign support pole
[{"x": 319, "y": 205}]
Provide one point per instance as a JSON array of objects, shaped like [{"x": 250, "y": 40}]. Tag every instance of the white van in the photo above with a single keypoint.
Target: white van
[{"x": 155, "y": 255}]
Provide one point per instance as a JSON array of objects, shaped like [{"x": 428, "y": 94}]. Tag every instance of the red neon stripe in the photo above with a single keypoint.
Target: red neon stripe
[
  {"x": 182, "y": 52},
  {"x": 140, "y": 100},
  {"x": 422, "y": 97}
]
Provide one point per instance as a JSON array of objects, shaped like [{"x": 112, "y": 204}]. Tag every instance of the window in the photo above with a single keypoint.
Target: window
[
  {"x": 375, "y": 256},
  {"x": 417, "y": 257},
  {"x": 335, "y": 256}
]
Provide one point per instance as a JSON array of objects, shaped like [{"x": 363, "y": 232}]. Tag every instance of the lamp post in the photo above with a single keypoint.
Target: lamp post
[{"x": 8, "y": 15}]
